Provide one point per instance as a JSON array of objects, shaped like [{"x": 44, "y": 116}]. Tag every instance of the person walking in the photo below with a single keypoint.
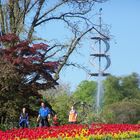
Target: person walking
[
  {"x": 72, "y": 116},
  {"x": 24, "y": 119},
  {"x": 44, "y": 115}
]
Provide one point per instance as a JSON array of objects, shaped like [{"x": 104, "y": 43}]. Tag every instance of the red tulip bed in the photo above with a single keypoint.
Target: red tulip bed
[{"x": 75, "y": 132}]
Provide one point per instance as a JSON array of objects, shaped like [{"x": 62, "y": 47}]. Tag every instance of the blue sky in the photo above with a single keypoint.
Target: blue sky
[{"x": 124, "y": 19}]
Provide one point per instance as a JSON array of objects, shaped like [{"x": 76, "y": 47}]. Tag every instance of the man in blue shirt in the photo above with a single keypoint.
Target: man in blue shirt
[{"x": 44, "y": 115}]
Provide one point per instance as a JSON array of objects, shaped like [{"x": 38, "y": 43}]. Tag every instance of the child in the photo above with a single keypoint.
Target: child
[{"x": 55, "y": 120}]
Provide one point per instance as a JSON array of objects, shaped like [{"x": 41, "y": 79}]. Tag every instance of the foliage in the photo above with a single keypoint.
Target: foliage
[
  {"x": 126, "y": 111},
  {"x": 9, "y": 89},
  {"x": 120, "y": 88},
  {"x": 131, "y": 86},
  {"x": 24, "y": 70},
  {"x": 62, "y": 106},
  {"x": 121, "y": 100},
  {"x": 85, "y": 92},
  {"x": 84, "y": 100},
  {"x": 112, "y": 90},
  {"x": 60, "y": 100},
  {"x": 119, "y": 95},
  {"x": 31, "y": 62}
]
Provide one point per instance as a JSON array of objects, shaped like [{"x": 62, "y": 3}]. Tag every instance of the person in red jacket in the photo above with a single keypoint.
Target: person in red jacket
[{"x": 55, "y": 120}]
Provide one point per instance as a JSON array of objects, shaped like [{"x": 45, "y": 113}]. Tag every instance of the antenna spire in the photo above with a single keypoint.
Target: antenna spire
[
  {"x": 97, "y": 57},
  {"x": 100, "y": 18}
]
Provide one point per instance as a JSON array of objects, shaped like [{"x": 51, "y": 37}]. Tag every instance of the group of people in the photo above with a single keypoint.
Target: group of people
[{"x": 44, "y": 117}]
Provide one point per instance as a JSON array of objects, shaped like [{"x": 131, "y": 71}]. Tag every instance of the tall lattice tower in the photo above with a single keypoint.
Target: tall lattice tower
[{"x": 100, "y": 60}]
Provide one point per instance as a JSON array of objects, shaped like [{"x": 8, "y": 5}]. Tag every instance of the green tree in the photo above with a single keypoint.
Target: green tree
[
  {"x": 84, "y": 98},
  {"x": 62, "y": 106},
  {"x": 112, "y": 90},
  {"x": 130, "y": 86},
  {"x": 119, "y": 88},
  {"x": 121, "y": 100},
  {"x": 126, "y": 111},
  {"x": 9, "y": 93},
  {"x": 60, "y": 100},
  {"x": 86, "y": 92}
]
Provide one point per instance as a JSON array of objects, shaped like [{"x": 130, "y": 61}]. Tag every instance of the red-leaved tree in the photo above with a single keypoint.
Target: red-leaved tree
[
  {"x": 30, "y": 61},
  {"x": 33, "y": 66}
]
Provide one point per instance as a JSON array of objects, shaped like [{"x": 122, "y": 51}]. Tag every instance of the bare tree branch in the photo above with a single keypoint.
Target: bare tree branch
[
  {"x": 28, "y": 9},
  {"x": 73, "y": 45},
  {"x": 55, "y": 52},
  {"x": 51, "y": 10},
  {"x": 35, "y": 19},
  {"x": 62, "y": 17},
  {"x": 75, "y": 14},
  {"x": 78, "y": 66}
]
